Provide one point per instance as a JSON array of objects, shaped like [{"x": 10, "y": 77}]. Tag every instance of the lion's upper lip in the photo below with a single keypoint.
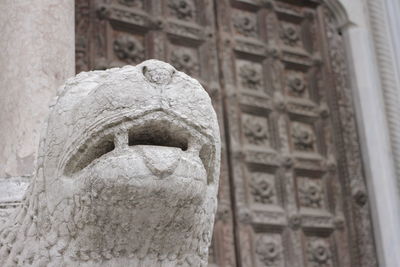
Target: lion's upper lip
[{"x": 153, "y": 129}]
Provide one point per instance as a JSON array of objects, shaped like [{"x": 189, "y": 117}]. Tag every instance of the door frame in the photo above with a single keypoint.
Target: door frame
[{"x": 372, "y": 122}]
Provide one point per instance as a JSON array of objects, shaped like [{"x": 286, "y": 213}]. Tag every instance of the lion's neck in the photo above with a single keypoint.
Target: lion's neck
[{"x": 78, "y": 233}]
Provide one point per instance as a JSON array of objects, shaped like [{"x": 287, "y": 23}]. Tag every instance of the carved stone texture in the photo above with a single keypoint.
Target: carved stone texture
[
  {"x": 186, "y": 59},
  {"x": 255, "y": 129},
  {"x": 263, "y": 188},
  {"x": 365, "y": 253},
  {"x": 319, "y": 253},
  {"x": 250, "y": 75},
  {"x": 311, "y": 193},
  {"x": 127, "y": 175},
  {"x": 296, "y": 84},
  {"x": 245, "y": 23},
  {"x": 303, "y": 137},
  {"x": 132, "y": 3},
  {"x": 269, "y": 250},
  {"x": 129, "y": 49},
  {"x": 182, "y": 9},
  {"x": 290, "y": 34}
]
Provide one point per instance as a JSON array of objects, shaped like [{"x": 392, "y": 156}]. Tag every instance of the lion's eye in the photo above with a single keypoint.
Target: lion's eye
[{"x": 88, "y": 153}]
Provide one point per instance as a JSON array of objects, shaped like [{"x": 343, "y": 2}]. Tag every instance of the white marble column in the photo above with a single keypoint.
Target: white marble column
[{"x": 36, "y": 56}]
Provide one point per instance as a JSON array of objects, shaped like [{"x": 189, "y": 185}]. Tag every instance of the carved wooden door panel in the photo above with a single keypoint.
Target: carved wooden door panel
[
  {"x": 294, "y": 158},
  {"x": 292, "y": 191}
]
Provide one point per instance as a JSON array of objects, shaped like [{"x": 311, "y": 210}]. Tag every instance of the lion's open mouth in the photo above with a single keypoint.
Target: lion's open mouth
[{"x": 156, "y": 129}]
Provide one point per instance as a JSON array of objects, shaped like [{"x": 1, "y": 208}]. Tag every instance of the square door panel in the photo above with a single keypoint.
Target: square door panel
[
  {"x": 263, "y": 189},
  {"x": 256, "y": 130},
  {"x": 303, "y": 137},
  {"x": 269, "y": 250},
  {"x": 250, "y": 76},
  {"x": 184, "y": 10},
  {"x": 318, "y": 251},
  {"x": 311, "y": 192},
  {"x": 127, "y": 48},
  {"x": 291, "y": 34},
  {"x": 245, "y": 23},
  {"x": 296, "y": 84}
]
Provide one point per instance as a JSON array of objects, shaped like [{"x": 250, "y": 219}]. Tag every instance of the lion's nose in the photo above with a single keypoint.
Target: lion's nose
[
  {"x": 161, "y": 161},
  {"x": 157, "y": 71}
]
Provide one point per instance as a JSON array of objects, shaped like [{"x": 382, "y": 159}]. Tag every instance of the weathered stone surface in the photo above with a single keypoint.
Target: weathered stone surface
[{"x": 127, "y": 174}]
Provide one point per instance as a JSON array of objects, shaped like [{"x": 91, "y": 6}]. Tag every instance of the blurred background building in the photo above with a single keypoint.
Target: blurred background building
[{"x": 307, "y": 93}]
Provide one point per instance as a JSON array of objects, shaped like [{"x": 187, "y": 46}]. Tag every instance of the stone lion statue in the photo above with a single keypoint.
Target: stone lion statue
[{"x": 127, "y": 174}]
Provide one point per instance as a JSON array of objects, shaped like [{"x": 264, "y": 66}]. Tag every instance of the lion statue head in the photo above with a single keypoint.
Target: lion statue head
[{"x": 127, "y": 174}]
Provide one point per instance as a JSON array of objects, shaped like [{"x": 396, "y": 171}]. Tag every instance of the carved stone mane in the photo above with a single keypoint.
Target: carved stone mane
[{"x": 127, "y": 174}]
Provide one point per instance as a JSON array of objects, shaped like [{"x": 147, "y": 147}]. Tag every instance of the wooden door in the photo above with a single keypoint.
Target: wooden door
[
  {"x": 297, "y": 183},
  {"x": 292, "y": 187}
]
